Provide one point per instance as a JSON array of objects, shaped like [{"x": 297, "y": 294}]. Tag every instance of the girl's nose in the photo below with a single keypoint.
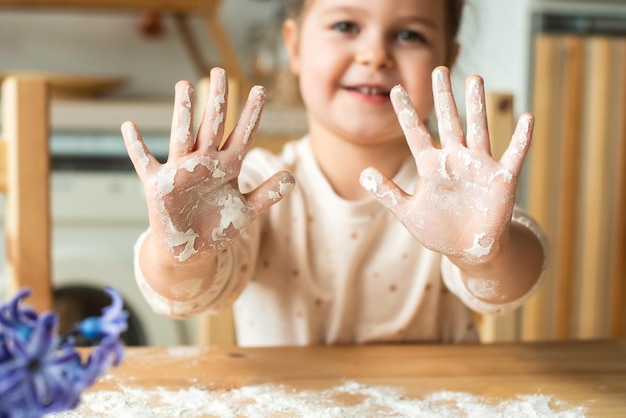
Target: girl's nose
[{"x": 375, "y": 54}]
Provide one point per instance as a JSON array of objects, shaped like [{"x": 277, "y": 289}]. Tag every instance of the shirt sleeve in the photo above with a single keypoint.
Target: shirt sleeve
[
  {"x": 225, "y": 288},
  {"x": 452, "y": 275}
]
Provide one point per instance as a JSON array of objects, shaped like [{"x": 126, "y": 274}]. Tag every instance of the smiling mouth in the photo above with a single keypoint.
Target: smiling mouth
[{"x": 370, "y": 91}]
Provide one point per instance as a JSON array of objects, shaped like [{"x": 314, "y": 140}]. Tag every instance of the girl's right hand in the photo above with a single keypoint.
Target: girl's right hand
[{"x": 194, "y": 203}]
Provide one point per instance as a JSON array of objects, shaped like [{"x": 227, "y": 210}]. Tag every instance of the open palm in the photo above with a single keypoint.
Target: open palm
[
  {"x": 463, "y": 198},
  {"x": 194, "y": 202}
]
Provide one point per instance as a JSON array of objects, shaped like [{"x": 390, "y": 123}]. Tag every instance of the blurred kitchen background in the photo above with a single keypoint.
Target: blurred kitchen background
[{"x": 107, "y": 67}]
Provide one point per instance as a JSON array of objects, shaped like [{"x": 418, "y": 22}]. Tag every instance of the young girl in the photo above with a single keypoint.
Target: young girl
[{"x": 352, "y": 254}]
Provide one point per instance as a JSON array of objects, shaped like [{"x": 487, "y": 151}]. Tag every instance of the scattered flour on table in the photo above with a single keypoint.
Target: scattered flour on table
[{"x": 350, "y": 400}]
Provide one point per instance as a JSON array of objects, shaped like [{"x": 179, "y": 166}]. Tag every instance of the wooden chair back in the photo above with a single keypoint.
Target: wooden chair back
[
  {"x": 577, "y": 185},
  {"x": 574, "y": 185},
  {"x": 25, "y": 181}
]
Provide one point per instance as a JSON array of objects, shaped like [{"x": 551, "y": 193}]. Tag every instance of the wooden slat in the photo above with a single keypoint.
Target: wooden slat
[
  {"x": 3, "y": 165},
  {"x": 233, "y": 109},
  {"x": 535, "y": 313},
  {"x": 203, "y": 6},
  {"x": 231, "y": 62},
  {"x": 593, "y": 239},
  {"x": 27, "y": 221},
  {"x": 501, "y": 120},
  {"x": 193, "y": 48},
  {"x": 501, "y": 123},
  {"x": 217, "y": 329},
  {"x": 567, "y": 185},
  {"x": 617, "y": 266}
]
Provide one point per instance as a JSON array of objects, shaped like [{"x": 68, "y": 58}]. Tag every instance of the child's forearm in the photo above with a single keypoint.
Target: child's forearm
[
  {"x": 178, "y": 289},
  {"x": 511, "y": 274}
]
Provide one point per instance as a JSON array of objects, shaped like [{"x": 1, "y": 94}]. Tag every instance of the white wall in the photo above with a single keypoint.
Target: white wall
[
  {"x": 110, "y": 44},
  {"x": 494, "y": 41},
  {"x": 493, "y": 44}
]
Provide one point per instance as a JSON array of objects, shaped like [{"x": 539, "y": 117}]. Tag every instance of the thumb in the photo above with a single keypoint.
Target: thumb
[
  {"x": 271, "y": 191},
  {"x": 382, "y": 189}
]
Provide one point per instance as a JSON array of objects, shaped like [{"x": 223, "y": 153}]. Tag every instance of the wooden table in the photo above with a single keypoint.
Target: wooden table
[{"x": 589, "y": 375}]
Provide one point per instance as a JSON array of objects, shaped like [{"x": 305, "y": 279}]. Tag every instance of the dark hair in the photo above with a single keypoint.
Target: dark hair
[{"x": 295, "y": 8}]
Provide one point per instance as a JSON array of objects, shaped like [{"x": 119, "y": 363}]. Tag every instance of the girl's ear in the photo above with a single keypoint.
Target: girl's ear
[{"x": 290, "y": 38}]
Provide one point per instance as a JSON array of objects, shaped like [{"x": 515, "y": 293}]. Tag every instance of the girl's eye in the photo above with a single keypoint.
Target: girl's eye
[
  {"x": 411, "y": 36},
  {"x": 346, "y": 27}
]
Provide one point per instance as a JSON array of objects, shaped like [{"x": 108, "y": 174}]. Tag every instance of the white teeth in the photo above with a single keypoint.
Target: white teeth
[{"x": 370, "y": 90}]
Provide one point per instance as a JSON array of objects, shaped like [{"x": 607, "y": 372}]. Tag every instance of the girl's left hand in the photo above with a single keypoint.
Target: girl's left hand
[{"x": 464, "y": 198}]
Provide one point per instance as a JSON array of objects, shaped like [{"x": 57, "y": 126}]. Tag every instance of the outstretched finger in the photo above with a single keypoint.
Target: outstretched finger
[
  {"x": 211, "y": 128},
  {"x": 477, "y": 131},
  {"x": 240, "y": 139},
  {"x": 270, "y": 192},
  {"x": 450, "y": 128},
  {"x": 414, "y": 129},
  {"x": 141, "y": 158},
  {"x": 181, "y": 138},
  {"x": 383, "y": 189},
  {"x": 514, "y": 155}
]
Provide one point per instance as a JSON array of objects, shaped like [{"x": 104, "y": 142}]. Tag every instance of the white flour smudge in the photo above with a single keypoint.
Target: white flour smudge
[{"x": 350, "y": 400}]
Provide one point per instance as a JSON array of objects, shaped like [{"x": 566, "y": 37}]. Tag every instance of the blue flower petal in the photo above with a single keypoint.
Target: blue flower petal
[
  {"x": 16, "y": 318},
  {"x": 112, "y": 322},
  {"x": 43, "y": 335}
]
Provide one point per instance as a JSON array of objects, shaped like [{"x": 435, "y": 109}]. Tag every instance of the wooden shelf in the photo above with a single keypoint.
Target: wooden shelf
[
  {"x": 209, "y": 9},
  {"x": 183, "y": 6}
]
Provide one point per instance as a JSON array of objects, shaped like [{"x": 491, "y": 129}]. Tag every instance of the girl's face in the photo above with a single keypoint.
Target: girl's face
[{"x": 348, "y": 55}]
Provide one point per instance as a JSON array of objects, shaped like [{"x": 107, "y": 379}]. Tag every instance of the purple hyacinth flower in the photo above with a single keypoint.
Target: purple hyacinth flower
[
  {"x": 35, "y": 377},
  {"x": 17, "y": 318},
  {"x": 41, "y": 372}
]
